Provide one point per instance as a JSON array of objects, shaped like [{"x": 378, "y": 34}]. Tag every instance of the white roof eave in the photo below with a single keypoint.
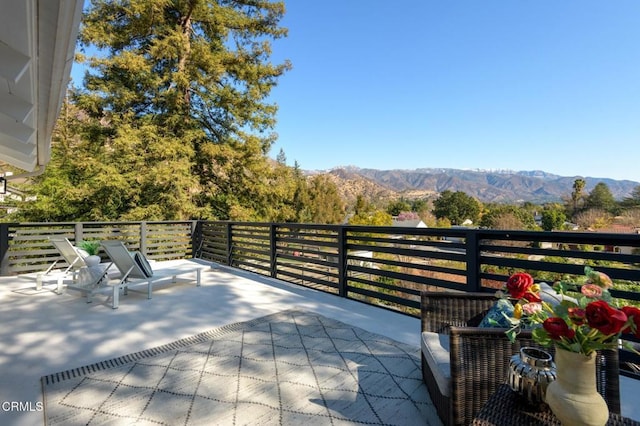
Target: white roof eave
[{"x": 37, "y": 46}]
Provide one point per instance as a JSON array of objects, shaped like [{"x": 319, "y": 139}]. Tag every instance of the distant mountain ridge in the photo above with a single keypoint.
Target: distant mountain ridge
[{"x": 501, "y": 186}]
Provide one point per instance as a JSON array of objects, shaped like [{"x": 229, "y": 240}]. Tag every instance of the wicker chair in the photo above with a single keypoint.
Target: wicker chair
[{"x": 479, "y": 357}]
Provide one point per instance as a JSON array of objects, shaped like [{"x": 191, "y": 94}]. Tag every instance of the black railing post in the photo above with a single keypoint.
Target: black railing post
[
  {"x": 229, "y": 244},
  {"x": 4, "y": 249},
  {"x": 273, "y": 255},
  {"x": 473, "y": 260},
  {"x": 143, "y": 238},
  {"x": 196, "y": 239},
  {"x": 342, "y": 262}
]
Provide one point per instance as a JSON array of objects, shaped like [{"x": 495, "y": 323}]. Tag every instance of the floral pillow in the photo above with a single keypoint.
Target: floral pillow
[{"x": 495, "y": 317}]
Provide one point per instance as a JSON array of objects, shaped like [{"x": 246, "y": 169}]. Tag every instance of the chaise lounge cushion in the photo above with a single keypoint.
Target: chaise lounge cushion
[
  {"x": 435, "y": 349},
  {"x": 143, "y": 264}
]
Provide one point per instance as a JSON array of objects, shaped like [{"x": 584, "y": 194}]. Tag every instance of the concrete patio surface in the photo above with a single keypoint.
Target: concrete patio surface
[{"x": 45, "y": 333}]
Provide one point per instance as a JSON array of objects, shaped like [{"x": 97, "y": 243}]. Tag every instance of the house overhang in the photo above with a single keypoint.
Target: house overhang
[{"x": 37, "y": 46}]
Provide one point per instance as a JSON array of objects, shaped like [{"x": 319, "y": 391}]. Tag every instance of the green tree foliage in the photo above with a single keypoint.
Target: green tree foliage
[
  {"x": 577, "y": 194},
  {"x": 457, "y": 207},
  {"x": 301, "y": 201},
  {"x": 178, "y": 123},
  {"x": 632, "y": 201},
  {"x": 443, "y": 222},
  {"x": 420, "y": 205},
  {"x": 398, "y": 206},
  {"x": 504, "y": 216},
  {"x": 601, "y": 198},
  {"x": 553, "y": 218},
  {"x": 375, "y": 218},
  {"x": 325, "y": 204},
  {"x": 79, "y": 184},
  {"x": 362, "y": 205},
  {"x": 275, "y": 195}
]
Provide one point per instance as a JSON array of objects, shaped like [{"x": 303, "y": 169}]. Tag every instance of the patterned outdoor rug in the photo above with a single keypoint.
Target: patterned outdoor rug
[{"x": 289, "y": 368}]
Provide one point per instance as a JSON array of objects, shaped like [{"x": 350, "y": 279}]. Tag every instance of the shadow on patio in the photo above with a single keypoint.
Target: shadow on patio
[{"x": 46, "y": 333}]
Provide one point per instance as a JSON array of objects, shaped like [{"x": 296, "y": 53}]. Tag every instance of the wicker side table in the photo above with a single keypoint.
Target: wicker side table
[{"x": 505, "y": 408}]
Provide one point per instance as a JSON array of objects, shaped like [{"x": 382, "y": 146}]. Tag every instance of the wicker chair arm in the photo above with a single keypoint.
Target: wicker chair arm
[
  {"x": 441, "y": 310},
  {"x": 479, "y": 365}
]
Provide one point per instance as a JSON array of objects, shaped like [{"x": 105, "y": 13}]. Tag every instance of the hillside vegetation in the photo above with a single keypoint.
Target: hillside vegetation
[{"x": 486, "y": 186}]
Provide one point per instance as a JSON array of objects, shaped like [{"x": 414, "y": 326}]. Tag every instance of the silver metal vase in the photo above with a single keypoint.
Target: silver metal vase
[{"x": 530, "y": 372}]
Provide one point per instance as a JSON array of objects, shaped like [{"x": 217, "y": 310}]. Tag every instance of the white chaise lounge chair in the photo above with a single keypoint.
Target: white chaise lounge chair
[
  {"x": 70, "y": 255},
  {"x": 134, "y": 271}
]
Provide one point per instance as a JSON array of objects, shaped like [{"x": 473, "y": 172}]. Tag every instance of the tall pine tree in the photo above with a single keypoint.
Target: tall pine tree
[{"x": 176, "y": 93}]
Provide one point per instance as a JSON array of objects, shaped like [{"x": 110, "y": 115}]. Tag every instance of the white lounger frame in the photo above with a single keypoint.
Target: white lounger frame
[{"x": 131, "y": 274}]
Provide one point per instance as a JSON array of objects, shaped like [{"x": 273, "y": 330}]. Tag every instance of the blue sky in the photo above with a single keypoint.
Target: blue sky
[{"x": 549, "y": 85}]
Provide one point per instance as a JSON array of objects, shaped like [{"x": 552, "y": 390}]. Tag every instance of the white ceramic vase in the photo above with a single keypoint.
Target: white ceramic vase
[
  {"x": 573, "y": 396},
  {"x": 93, "y": 260}
]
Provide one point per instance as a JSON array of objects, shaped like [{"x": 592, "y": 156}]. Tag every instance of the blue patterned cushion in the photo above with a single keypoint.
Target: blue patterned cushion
[{"x": 494, "y": 317}]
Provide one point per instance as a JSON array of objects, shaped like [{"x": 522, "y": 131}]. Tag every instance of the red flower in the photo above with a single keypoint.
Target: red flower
[
  {"x": 518, "y": 284},
  {"x": 604, "y": 318},
  {"x": 530, "y": 297},
  {"x": 577, "y": 316},
  {"x": 634, "y": 313},
  {"x": 557, "y": 328}
]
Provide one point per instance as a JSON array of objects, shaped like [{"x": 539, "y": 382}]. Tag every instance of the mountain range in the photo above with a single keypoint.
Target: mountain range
[{"x": 502, "y": 186}]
